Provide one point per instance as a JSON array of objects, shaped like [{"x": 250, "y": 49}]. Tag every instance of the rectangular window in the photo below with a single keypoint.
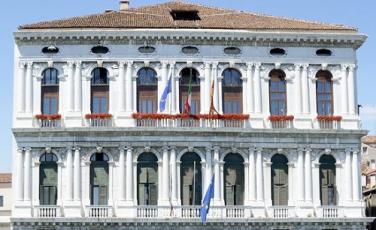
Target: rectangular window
[
  {"x": 1, "y": 201},
  {"x": 48, "y": 195},
  {"x": 99, "y": 195}
]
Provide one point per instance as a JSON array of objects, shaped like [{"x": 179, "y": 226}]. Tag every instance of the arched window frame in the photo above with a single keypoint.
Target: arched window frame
[
  {"x": 147, "y": 162},
  {"x": 192, "y": 193},
  {"x": 236, "y": 164},
  {"x": 50, "y": 91},
  {"x": 232, "y": 91},
  {"x": 147, "y": 90},
  {"x": 277, "y": 92},
  {"x": 48, "y": 183},
  {"x": 99, "y": 99},
  {"x": 99, "y": 187},
  {"x": 324, "y": 93},
  {"x": 279, "y": 183},
  {"x": 185, "y": 75}
]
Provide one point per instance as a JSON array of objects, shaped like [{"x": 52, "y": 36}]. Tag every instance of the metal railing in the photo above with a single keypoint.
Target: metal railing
[
  {"x": 47, "y": 211},
  {"x": 98, "y": 211}
]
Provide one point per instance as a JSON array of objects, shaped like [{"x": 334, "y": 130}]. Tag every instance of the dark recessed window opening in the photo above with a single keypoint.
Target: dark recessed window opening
[
  {"x": 323, "y": 52},
  {"x": 277, "y": 51},
  {"x": 99, "y": 50},
  {"x": 232, "y": 50},
  {"x": 189, "y": 50},
  {"x": 50, "y": 50},
  {"x": 186, "y": 15},
  {"x": 146, "y": 49}
]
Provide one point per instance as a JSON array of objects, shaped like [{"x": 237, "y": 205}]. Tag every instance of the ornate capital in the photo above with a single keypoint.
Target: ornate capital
[
  {"x": 207, "y": 65},
  {"x": 305, "y": 66},
  {"x": 29, "y": 64},
  {"x": 277, "y": 65},
  {"x": 344, "y": 67},
  {"x": 129, "y": 64},
  {"x": 121, "y": 64},
  {"x": 257, "y": 65},
  {"x": 70, "y": 64},
  {"x": 99, "y": 149},
  {"x": 298, "y": 66},
  {"x": 352, "y": 67},
  {"x": 324, "y": 66},
  {"x": 78, "y": 64}
]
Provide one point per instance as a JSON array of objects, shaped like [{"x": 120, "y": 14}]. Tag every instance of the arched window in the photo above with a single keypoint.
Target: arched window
[
  {"x": 50, "y": 91},
  {"x": 190, "y": 177},
  {"x": 277, "y": 93},
  {"x": 279, "y": 180},
  {"x": 99, "y": 91},
  {"x": 147, "y": 179},
  {"x": 99, "y": 179},
  {"x": 232, "y": 91},
  {"x": 324, "y": 93},
  {"x": 48, "y": 179},
  {"x": 189, "y": 82},
  {"x": 147, "y": 91},
  {"x": 328, "y": 188},
  {"x": 234, "y": 179}
]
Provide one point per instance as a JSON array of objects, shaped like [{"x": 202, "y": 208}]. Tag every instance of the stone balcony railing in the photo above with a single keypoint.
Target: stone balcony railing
[
  {"x": 48, "y": 120},
  {"x": 98, "y": 211},
  {"x": 99, "y": 120},
  {"x": 47, "y": 211}
]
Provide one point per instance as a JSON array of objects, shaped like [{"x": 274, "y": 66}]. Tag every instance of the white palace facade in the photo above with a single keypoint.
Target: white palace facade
[{"x": 92, "y": 148}]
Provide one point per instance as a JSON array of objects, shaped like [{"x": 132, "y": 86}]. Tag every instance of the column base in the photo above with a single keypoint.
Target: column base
[
  {"x": 73, "y": 209},
  {"x": 257, "y": 121},
  {"x": 303, "y": 121}
]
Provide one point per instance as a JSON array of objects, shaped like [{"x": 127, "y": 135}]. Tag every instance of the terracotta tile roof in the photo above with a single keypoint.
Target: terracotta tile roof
[
  {"x": 5, "y": 178},
  {"x": 159, "y": 16},
  {"x": 369, "y": 139}
]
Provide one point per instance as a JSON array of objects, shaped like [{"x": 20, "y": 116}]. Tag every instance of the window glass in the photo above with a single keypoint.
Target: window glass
[
  {"x": 190, "y": 173},
  {"x": 234, "y": 179},
  {"x": 324, "y": 93},
  {"x": 147, "y": 91},
  {"x": 99, "y": 76},
  {"x": 190, "y": 76},
  {"x": 99, "y": 178},
  {"x": 277, "y": 93},
  {"x": 1, "y": 201},
  {"x": 147, "y": 179},
  {"x": 328, "y": 189},
  {"x": 232, "y": 91},
  {"x": 279, "y": 180},
  {"x": 50, "y": 77}
]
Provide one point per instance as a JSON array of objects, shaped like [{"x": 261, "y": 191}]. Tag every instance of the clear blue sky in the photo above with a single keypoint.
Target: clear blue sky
[{"x": 360, "y": 14}]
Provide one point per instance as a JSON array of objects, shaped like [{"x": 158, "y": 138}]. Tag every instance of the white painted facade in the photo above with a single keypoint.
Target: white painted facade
[{"x": 74, "y": 141}]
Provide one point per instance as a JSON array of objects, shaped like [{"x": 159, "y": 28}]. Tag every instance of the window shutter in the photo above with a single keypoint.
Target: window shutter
[
  {"x": 100, "y": 175},
  {"x": 53, "y": 195}
]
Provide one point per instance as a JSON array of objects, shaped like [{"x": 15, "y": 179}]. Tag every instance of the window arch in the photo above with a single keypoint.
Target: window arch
[
  {"x": 147, "y": 179},
  {"x": 328, "y": 188},
  {"x": 191, "y": 179},
  {"x": 232, "y": 91},
  {"x": 99, "y": 90},
  {"x": 48, "y": 179},
  {"x": 189, "y": 77},
  {"x": 324, "y": 93},
  {"x": 50, "y": 91},
  {"x": 99, "y": 179},
  {"x": 279, "y": 180},
  {"x": 234, "y": 179},
  {"x": 147, "y": 90},
  {"x": 277, "y": 93}
]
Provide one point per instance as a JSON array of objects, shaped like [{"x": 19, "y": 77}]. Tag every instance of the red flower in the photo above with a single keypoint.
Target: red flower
[
  {"x": 48, "y": 116},
  {"x": 328, "y": 118},
  {"x": 281, "y": 118},
  {"x": 98, "y": 116},
  {"x": 190, "y": 116}
]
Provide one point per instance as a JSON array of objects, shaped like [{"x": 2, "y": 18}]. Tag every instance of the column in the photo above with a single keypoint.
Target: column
[
  {"x": 174, "y": 89},
  {"x": 27, "y": 175},
  {"x": 160, "y": 182},
  {"x": 252, "y": 174},
  {"x": 71, "y": 87},
  {"x": 69, "y": 175},
  {"x": 348, "y": 170},
  {"x": 122, "y": 174},
  {"x": 21, "y": 87},
  {"x": 248, "y": 92},
  {"x": 352, "y": 85},
  {"x": 60, "y": 165},
  {"x": 165, "y": 174},
  {"x": 122, "y": 95},
  {"x": 129, "y": 176},
  {"x": 257, "y": 89},
  {"x": 20, "y": 175},
  {"x": 300, "y": 167},
  {"x": 308, "y": 175},
  {"x": 173, "y": 175},
  {"x": 217, "y": 176},
  {"x": 178, "y": 182},
  {"x": 246, "y": 182},
  {"x": 29, "y": 88},
  {"x": 110, "y": 182},
  {"x": 216, "y": 99},
  {"x": 207, "y": 87},
  {"x": 344, "y": 97},
  {"x": 305, "y": 90},
  {"x": 298, "y": 88},
  {"x": 259, "y": 176},
  {"x": 355, "y": 176},
  {"x": 77, "y": 174},
  {"x": 128, "y": 88},
  {"x": 209, "y": 172},
  {"x": 78, "y": 88}
]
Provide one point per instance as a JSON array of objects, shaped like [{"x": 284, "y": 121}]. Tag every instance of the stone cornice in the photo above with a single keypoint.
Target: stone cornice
[{"x": 194, "y": 37}]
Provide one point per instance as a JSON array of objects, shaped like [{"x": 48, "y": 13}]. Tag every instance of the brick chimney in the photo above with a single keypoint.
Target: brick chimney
[{"x": 124, "y": 5}]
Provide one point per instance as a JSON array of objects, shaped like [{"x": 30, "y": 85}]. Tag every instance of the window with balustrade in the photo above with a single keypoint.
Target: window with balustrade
[
  {"x": 279, "y": 180},
  {"x": 232, "y": 91},
  {"x": 234, "y": 179},
  {"x": 189, "y": 77},
  {"x": 147, "y": 179},
  {"x": 50, "y": 91},
  {"x": 190, "y": 177},
  {"x": 48, "y": 179},
  {"x": 277, "y": 93},
  {"x": 328, "y": 188},
  {"x": 324, "y": 93},
  {"x": 99, "y": 91},
  {"x": 147, "y": 90},
  {"x": 99, "y": 179}
]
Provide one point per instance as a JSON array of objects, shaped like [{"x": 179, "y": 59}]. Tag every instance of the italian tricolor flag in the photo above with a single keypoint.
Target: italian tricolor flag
[{"x": 187, "y": 104}]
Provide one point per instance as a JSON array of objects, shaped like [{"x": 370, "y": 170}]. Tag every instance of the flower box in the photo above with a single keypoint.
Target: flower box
[
  {"x": 48, "y": 116},
  {"x": 190, "y": 116},
  {"x": 328, "y": 118},
  {"x": 275, "y": 118},
  {"x": 98, "y": 116}
]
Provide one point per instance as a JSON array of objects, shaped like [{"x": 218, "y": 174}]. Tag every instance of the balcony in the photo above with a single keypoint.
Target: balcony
[
  {"x": 329, "y": 121},
  {"x": 49, "y": 120},
  {"x": 282, "y": 212},
  {"x": 281, "y": 121},
  {"x": 98, "y": 211},
  {"x": 329, "y": 212},
  {"x": 47, "y": 211},
  {"x": 99, "y": 119}
]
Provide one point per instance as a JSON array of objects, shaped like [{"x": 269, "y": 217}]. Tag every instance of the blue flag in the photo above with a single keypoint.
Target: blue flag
[
  {"x": 166, "y": 91},
  {"x": 206, "y": 202}
]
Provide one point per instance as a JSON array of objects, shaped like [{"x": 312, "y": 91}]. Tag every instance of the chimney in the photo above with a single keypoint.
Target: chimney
[{"x": 124, "y": 5}]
